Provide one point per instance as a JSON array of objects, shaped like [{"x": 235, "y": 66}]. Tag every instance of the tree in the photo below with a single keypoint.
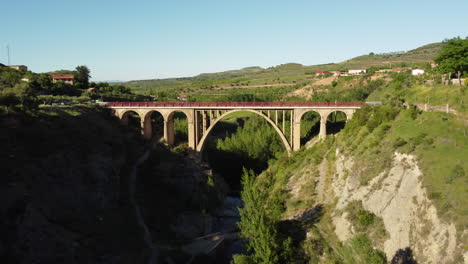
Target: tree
[
  {"x": 454, "y": 57},
  {"x": 9, "y": 77},
  {"x": 256, "y": 226},
  {"x": 82, "y": 75},
  {"x": 41, "y": 82},
  {"x": 21, "y": 94}
]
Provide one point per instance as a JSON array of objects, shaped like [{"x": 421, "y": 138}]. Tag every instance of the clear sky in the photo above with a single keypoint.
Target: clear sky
[{"x": 147, "y": 39}]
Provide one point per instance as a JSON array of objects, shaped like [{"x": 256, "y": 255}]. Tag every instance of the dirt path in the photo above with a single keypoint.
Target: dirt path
[{"x": 321, "y": 188}]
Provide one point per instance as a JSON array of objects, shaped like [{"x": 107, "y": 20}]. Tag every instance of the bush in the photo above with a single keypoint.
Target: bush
[
  {"x": 241, "y": 259},
  {"x": 457, "y": 172},
  {"x": 399, "y": 142},
  {"x": 419, "y": 139},
  {"x": 359, "y": 217},
  {"x": 365, "y": 252},
  {"x": 435, "y": 195},
  {"x": 381, "y": 114},
  {"x": 413, "y": 112},
  {"x": 365, "y": 218}
]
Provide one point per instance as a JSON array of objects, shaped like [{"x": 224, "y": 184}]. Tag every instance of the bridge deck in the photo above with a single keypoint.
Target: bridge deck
[{"x": 219, "y": 105}]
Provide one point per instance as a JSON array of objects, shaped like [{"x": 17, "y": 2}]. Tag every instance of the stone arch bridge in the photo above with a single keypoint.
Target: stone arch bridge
[{"x": 203, "y": 116}]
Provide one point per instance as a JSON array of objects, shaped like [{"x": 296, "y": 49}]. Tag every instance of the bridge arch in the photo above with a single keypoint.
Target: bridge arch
[
  {"x": 201, "y": 143},
  {"x": 126, "y": 115},
  {"x": 335, "y": 121},
  {"x": 302, "y": 122},
  {"x": 148, "y": 126},
  {"x": 170, "y": 125},
  {"x": 123, "y": 115},
  {"x": 346, "y": 113}
]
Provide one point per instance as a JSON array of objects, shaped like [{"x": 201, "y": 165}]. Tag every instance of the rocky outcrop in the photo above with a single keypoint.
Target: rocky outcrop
[{"x": 399, "y": 198}]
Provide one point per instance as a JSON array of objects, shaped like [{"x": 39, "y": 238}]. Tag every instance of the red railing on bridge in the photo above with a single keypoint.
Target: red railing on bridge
[{"x": 234, "y": 104}]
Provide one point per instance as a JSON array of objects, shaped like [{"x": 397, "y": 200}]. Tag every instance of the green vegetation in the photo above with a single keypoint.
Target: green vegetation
[
  {"x": 258, "y": 224},
  {"x": 364, "y": 252},
  {"x": 274, "y": 222},
  {"x": 438, "y": 140},
  {"x": 366, "y": 222},
  {"x": 243, "y": 140},
  {"x": 271, "y": 239},
  {"x": 24, "y": 91},
  {"x": 82, "y": 75},
  {"x": 275, "y": 82},
  {"x": 453, "y": 58}
]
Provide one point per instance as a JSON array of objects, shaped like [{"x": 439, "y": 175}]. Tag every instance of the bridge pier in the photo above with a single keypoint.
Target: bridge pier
[
  {"x": 192, "y": 138},
  {"x": 323, "y": 127},
  {"x": 146, "y": 129}
]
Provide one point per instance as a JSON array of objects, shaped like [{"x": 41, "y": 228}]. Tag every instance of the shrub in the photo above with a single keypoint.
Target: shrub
[
  {"x": 457, "y": 172},
  {"x": 419, "y": 139},
  {"x": 241, "y": 259},
  {"x": 361, "y": 218},
  {"x": 435, "y": 195},
  {"x": 399, "y": 142},
  {"x": 365, "y": 218},
  {"x": 413, "y": 112},
  {"x": 365, "y": 252},
  {"x": 373, "y": 123}
]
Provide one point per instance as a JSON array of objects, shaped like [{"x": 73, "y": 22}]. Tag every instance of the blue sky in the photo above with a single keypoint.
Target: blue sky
[{"x": 130, "y": 40}]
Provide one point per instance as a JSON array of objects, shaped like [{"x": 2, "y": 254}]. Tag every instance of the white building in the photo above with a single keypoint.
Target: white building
[
  {"x": 416, "y": 72},
  {"x": 357, "y": 72}
]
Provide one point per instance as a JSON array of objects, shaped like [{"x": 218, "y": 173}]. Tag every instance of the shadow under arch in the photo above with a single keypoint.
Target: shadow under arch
[
  {"x": 336, "y": 121},
  {"x": 131, "y": 119},
  {"x": 154, "y": 124},
  {"x": 177, "y": 122},
  {"x": 309, "y": 126},
  {"x": 285, "y": 142}
]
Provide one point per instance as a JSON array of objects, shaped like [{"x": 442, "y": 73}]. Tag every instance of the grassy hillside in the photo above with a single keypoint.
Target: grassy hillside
[
  {"x": 285, "y": 75},
  {"x": 397, "y": 59},
  {"x": 373, "y": 136}
]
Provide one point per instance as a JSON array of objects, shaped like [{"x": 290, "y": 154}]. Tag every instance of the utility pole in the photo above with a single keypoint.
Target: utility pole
[{"x": 8, "y": 53}]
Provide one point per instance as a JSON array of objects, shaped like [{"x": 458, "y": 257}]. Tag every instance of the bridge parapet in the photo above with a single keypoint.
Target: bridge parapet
[{"x": 214, "y": 105}]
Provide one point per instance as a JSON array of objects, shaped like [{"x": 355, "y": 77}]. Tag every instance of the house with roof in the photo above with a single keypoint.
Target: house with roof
[
  {"x": 19, "y": 67},
  {"x": 357, "y": 71},
  {"x": 320, "y": 73},
  {"x": 66, "y": 78},
  {"x": 182, "y": 97},
  {"x": 417, "y": 72}
]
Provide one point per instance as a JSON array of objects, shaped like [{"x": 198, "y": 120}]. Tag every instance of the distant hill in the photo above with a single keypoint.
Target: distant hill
[
  {"x": 425, "y": 53},
  {"x": 288, "y": 74}
]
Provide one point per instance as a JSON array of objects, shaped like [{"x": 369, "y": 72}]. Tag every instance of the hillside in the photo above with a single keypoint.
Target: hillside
[
  {"x": 284, "y": 75},
  {"x": 422, "y": 54},
  {"x": 389, "y": 188}
]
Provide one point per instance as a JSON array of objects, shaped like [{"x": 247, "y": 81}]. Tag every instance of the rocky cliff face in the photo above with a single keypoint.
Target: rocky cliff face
[
  {"x": 410, "y": 226},
  {"x": 398, "y": 197}
]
